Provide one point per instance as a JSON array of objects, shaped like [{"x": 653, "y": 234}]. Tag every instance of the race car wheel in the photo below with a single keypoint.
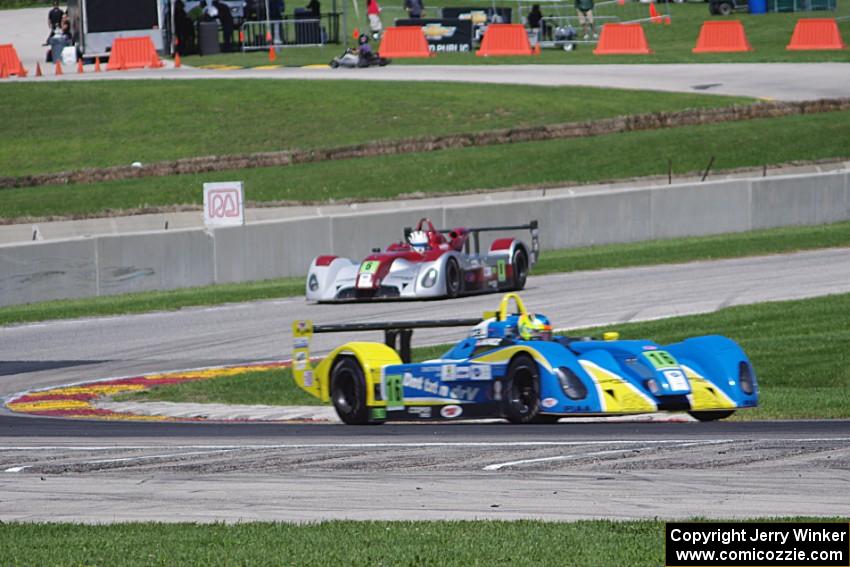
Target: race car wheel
[
  {"x": 453, "y": 278},
  {"x": 522, "y": 385},
  {"x": 348, "y": 391},
  {"x": 520, "y": 266},
  {"x": 711, "y": 415}
]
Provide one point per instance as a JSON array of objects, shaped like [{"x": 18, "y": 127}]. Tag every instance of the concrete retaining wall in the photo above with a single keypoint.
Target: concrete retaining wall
[{"x": 185, "y": 258}]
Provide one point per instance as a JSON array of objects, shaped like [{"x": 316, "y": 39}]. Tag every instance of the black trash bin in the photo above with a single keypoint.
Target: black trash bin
[
  {"x": 307, "y": 33},
  {"x": 208, "y": 38}
]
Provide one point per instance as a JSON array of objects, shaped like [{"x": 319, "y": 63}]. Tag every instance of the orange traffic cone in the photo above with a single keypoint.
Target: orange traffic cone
[
  {"x": 38, "y": 72},
  {"x": 653, "y": 13},
  {"x": 177, "y": 60},
  {"x": 97, "y": 64},
  {"x": 80, "y": 66},
  {"x": 272, "y": 54},
  {"x": 356, "y": 34},
  {"x": 58, "y": 68},
  {"x": 4, "y": 73},
  {"x": 536, "y": 49}
]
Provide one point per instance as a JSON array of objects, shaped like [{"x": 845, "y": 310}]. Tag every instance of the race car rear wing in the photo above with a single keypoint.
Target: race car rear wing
[
  {"x": 532, "y": 227},
  {"x": 397, "y": 334}
]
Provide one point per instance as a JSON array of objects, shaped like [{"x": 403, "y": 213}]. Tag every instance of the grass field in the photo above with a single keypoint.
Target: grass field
[
  {"x": 768, "y": 34},
  {"x": 584, "y": 160},
  {"x": 798, "y": 349},
  {"x": 468, "y": 543},
  {"x": 335, "y": 543},
  {"x": 753, "y": 243},
  {"x": 118, "y": 122}
]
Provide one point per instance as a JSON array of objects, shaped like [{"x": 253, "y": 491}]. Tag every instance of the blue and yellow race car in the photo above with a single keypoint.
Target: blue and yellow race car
[{"x": 512, "y": 366}]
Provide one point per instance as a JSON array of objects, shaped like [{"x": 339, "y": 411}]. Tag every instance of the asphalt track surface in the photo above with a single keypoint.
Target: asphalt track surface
[
  {"x": 758, "y": 80},
  {"x": 94, "y": 471}
]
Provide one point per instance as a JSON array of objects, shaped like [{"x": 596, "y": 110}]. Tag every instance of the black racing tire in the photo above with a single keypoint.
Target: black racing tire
[
  {"x": 712, "y": 9},
  {"x": 522, "y": 390},
  {"x": 334, "y": 63},
  {"x": 348, "y": 391},
  {"x": 724, "y": 9},
  {"x": 711, "y": 415},
  {"x": 546, "y": 418},
  {"x": 454, "y": 279},
  {"x": 519, "y": 261}
]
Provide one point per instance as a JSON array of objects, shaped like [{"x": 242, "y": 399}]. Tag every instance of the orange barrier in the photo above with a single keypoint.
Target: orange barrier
[
  {"x": 815, "y": 34},
  {"x": 656, "y": 17},
  {"x": 404, "y": 42},
  {"x": 9, "y": 60},
  {"x": 722, "y": 37},
  {"x": 132, "y": 53},
  {"x": 622, "y": 39},
  {"x": 4, "y": 74},
  {"x": 504, "y": 39}
]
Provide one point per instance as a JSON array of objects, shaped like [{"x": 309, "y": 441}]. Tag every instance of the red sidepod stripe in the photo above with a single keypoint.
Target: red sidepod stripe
[
  {"x": 501, "y": 244},
  {"x": 325, "y": 260}
]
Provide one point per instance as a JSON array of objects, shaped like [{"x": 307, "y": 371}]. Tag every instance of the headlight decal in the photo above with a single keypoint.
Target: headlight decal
[{"x": 571, "y": 384}]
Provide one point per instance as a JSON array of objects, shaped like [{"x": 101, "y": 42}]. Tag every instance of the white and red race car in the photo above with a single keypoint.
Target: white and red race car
[{"x": 429, "y": 263}]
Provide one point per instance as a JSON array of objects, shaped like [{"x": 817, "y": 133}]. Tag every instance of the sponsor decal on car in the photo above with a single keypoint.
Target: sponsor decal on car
[
  {"x": 423, "y": 412},
  {"x": 676, "y": 379},
  {"x": 450, "y": 412},
  {"x": 549, "y": 402}
]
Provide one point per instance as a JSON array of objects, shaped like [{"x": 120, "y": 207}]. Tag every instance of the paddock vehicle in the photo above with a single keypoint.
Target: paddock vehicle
[
  {"x": 429, "y": 263},
  {"x": 511, "y": 366}
]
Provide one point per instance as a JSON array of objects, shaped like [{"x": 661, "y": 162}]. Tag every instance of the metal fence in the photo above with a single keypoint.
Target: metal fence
[
  {"x": 300, "y": 31},
  {"x": 564, "y": 31}
]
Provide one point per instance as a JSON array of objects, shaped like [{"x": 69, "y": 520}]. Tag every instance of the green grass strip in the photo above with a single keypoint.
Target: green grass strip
[
  {"x": 165, "y": 120},
  {"x": 402, "y": 543},
  {"x": 771, "y": 241},
  {"x": 587, "y": 160},
  {"x": 798, "y": 349}
]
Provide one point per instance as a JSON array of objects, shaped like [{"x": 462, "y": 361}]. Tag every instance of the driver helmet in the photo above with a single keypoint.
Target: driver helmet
[
  {"x": 363, "y": 38},
  {"x": 534, "y": 327},
  {"x": 418, "y": 240}
]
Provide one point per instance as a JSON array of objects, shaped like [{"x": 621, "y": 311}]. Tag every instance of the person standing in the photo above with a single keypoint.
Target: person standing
[
  {"x": 315, "y": 9},
  {"x": 54, "y": 17},
  {"x": 276, "y": 9},
  {"x": 535, "y": 22},
  {"x": 415, "y": 8},
  {"x": 585, "y": 17},
  {"x": 373, "y": 11},
  {"x": 225, "y": 18}
]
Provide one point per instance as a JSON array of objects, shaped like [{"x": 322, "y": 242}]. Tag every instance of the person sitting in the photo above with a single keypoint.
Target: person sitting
[
  {"x": 534, "y": 327},
  {"x": 419, "y": 240}
]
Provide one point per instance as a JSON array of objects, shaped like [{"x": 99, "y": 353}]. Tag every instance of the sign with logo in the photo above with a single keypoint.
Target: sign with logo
[
  {"x": 444, "y": 35},
  {"x": 224, "y": 204},
  {"x": 479, "y": 16}
]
